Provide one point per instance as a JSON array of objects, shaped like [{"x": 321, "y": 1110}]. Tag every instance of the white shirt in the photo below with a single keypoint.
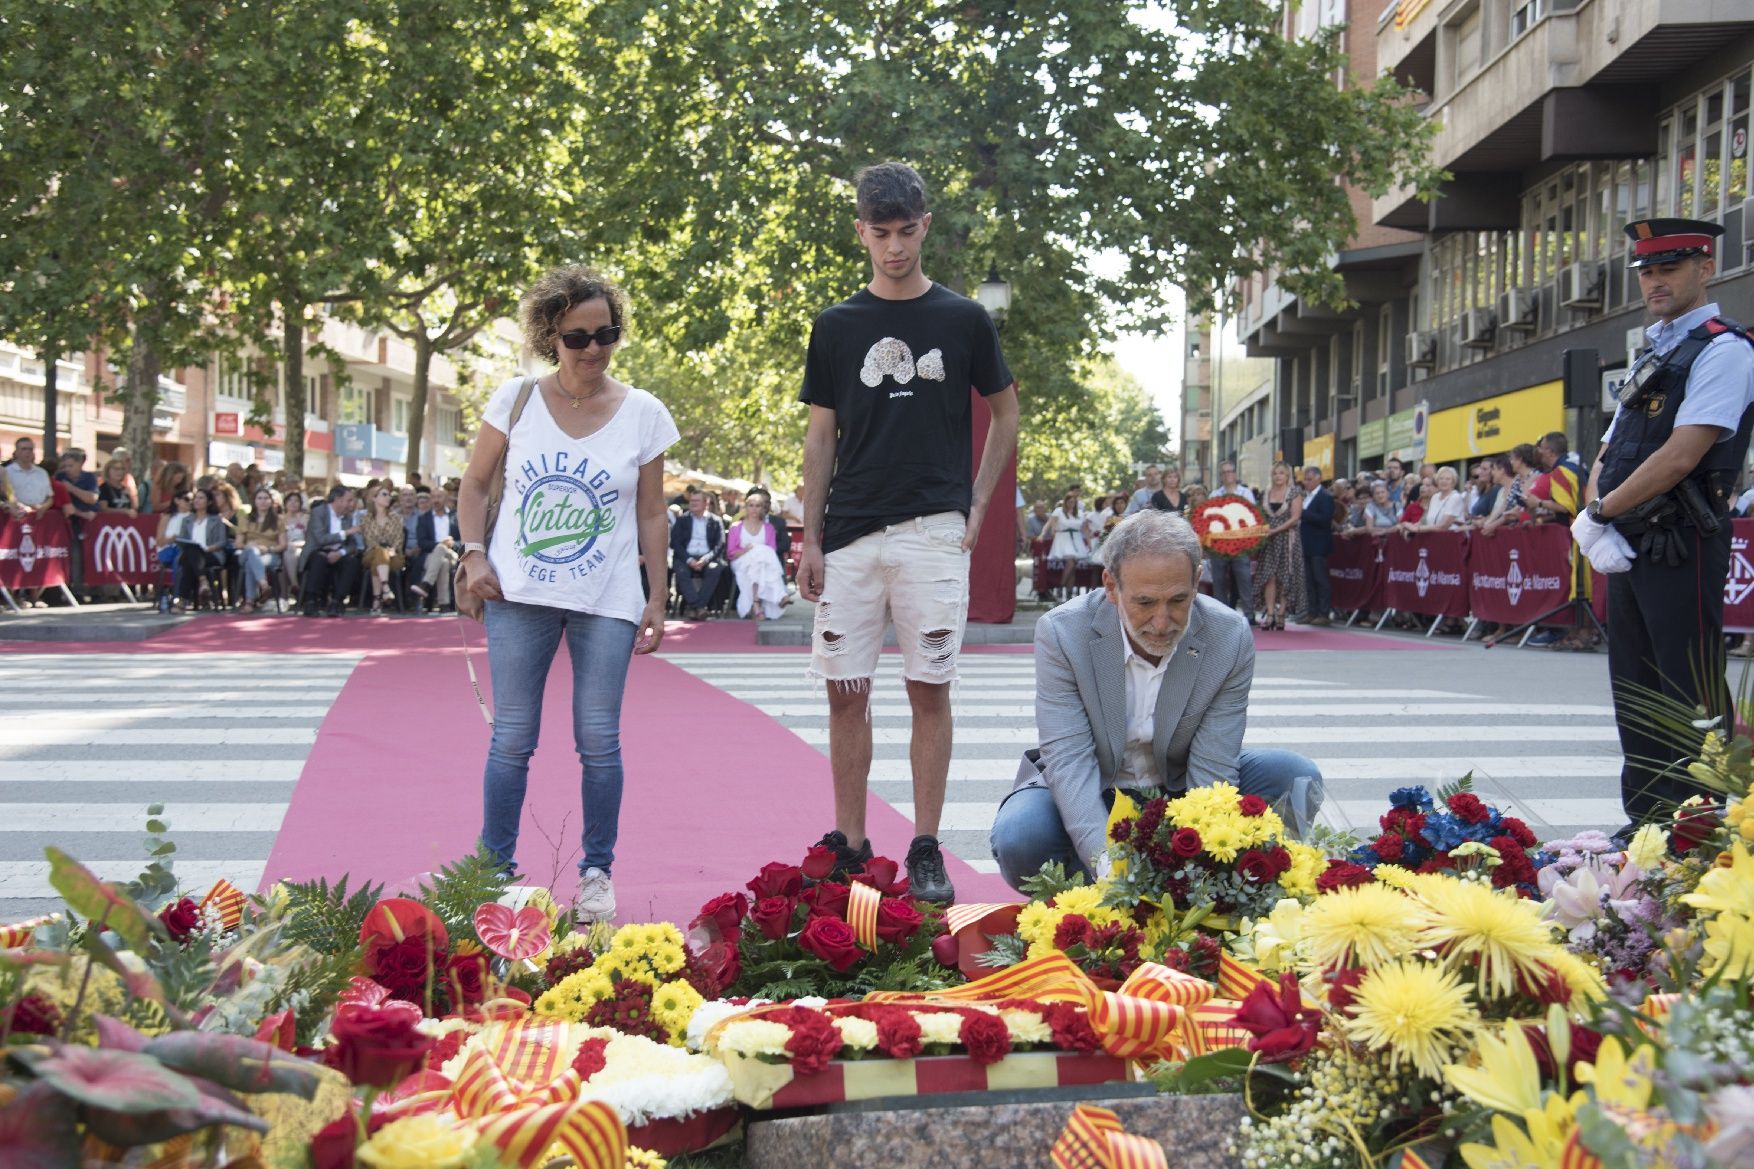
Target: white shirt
[
  {"x": 697, "y": 538},
  {"x": 335, "y": 528},
  {"x": 1444, "y": 508},
  {"x": 1139, "y": 765},
  {"x": 567, "y": 534},
  {"x": 1241, "y": 489},
  {"x": 29, "y": 487}
]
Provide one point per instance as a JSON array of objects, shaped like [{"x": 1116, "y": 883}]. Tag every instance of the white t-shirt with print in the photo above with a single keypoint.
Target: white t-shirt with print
[{"x": 567, "y": 535}]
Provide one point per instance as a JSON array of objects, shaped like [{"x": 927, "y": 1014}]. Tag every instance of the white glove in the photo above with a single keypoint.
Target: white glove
[{"x": 1602, "y": 544}]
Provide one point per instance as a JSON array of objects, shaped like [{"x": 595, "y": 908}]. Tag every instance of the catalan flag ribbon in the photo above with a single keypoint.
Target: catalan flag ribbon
[
  {"x": 1094, "y": 1139},
  {"x": 862, "y": 904},
  {"x": 523, "y": 1096},
  {"x": 226, "y": 900},
  {"x": 22, "y": 933}
]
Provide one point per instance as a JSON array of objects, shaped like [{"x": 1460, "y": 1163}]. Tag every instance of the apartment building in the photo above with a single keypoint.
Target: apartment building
[
  {"x": 356, "y": 426},
  {"x": 1560, "y": 121}
]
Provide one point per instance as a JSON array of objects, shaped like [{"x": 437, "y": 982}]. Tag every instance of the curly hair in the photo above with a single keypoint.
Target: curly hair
[{"x": 554, "y": 294}]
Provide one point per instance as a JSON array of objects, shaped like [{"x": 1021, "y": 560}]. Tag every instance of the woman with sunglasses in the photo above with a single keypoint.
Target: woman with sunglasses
[{"x": 582, "y": 473}]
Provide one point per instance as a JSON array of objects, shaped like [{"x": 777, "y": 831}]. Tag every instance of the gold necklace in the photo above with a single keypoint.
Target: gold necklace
[{"x": 571, "y": 399}]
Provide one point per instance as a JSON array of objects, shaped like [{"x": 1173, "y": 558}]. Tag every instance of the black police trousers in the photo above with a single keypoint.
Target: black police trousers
[{"x": 1666, "y": 636}]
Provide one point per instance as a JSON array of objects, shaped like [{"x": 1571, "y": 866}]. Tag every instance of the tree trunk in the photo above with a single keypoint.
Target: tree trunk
[
  {"x": 417, "y": 408},
  {"x": 292, "y": 342},
  {"x": 139, "y": 397},
  {"x": 51, "y": 404}
]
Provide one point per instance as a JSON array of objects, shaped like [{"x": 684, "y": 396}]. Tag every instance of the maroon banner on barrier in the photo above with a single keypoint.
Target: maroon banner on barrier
[
  {"x": 121, "y": 549},
  {"x": 1517, "y": 574},
  {"x": 1427, "y": 574},
  {"x": 1355, "y": 573},
  {"x": 33, "y": 551},
  {"x": 1739, "y": 581}
]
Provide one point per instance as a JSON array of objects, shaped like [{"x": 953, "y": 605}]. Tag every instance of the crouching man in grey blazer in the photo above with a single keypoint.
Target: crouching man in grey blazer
[{"x": 1142, "y": 687}]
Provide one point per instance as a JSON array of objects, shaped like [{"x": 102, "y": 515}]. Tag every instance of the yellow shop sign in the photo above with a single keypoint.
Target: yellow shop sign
[
  {"x": 1494, "y": 425},
  {"x": 1318, "y": 452}
]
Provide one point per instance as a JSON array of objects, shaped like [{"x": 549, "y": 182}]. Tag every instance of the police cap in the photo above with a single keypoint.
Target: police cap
[{"x": 1657, "y": 241}]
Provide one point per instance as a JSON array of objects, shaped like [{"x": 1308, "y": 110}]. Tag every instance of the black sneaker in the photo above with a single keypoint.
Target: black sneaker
[
  {"x": 847, "y": 859},
  {"x": 926, "y": 878}
]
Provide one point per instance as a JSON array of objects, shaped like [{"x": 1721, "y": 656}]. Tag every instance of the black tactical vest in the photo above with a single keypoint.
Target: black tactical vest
[{"x": 1643, "y": 425}]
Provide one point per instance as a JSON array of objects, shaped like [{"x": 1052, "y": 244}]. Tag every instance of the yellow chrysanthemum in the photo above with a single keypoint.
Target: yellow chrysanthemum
[
  {"x": 1584, "y": 980},
  {"x": 1501, "y": 934},
  {"x": 673, "y": 1005},
  {"x": 1307, "y": 864},
  {"x": 1648, "y": 847},
  {"x": 628, "y": 940},
  {"x": 1504, "y": 1075},
  {"x": 1394, "y": 876},
  {"x": 1365, "y": 925},
  {"x": 1221, "y": 841},
  {"x": 667, "y": 958},
  {"x": 574, "y": 995},
  {"x": 1418, "y": 1012},
  {"x": 1084, "y": 899},
  {"x": 1727, "y": 888},
  {"x": 638, "y": 1158},
  {"x": 1033, "y": 921}
]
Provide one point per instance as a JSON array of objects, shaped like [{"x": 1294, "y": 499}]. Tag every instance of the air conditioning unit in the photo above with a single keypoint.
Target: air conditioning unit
[
  {"x": 1479, "y": 328},
  {"x": 1517, "y": 309},
  {"x": 1580, "y": 286},
  {"x": 1422, "y": 350}
]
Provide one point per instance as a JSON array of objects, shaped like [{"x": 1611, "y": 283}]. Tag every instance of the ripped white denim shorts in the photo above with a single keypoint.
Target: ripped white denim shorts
[{"x": 914, "y": 573}]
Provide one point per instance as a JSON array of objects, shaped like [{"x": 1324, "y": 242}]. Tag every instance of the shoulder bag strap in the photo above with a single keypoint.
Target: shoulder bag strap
[{"x": 495, "y": 489}]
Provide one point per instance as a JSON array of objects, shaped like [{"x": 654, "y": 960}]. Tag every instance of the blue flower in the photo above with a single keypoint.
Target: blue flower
[{"x": 1410, "y": 797}]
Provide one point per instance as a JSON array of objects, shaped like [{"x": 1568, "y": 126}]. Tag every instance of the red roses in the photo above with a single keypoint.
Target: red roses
[
  {"x": 1251, "y": 806},
  {"x": 897, "y": 921},
  {"x": 777, "y": 880},
  {"x": 1185, "y": 843},
  {"x": 1283, "y": 1028},
  {"x": 1261, "y": 866},
  {"x": 833, "y": 941},
  {"x": 773, "y": 917},
  {"x": 376, "y": 1045},
  {"x": 181, "y": 919}
]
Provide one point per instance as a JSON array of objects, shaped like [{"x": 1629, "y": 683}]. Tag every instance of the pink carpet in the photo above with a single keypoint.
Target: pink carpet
[{"x": 715, "y": 789}]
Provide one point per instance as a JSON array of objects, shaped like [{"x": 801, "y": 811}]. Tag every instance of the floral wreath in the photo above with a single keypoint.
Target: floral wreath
[{"x": 1216, "y": 523}]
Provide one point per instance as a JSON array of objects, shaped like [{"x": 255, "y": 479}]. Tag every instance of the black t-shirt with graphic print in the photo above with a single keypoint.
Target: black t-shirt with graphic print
[{"x": 896, "y": 374}]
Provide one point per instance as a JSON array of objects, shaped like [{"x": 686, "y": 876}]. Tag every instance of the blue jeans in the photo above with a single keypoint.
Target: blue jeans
[
  {"x": 1233, "y": 583},
  {"x": 1028, "y": 832},
  {"x": 521, "y": 641},
  {"x": 257, "y": 565}
]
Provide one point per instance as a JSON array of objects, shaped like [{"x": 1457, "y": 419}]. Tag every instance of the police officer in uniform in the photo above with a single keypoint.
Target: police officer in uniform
[{"x": 1660, "y": 496}]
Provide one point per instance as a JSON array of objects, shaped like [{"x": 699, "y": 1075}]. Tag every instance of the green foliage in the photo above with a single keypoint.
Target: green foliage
[
  {"x": 785, "y": 970},
  {"x": 463, "y": 886},
  {"x": 1455, "y": 788},
  {"x": 99, "y": 901},
  {"x": 325, "y": 918},
  {"x": 1008, "y": 950},
  {"x": 157, "y": 884},
  {"x": 1050, "y": 882}
]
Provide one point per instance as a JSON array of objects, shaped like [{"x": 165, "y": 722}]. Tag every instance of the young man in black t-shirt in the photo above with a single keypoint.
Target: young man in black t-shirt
[{"x": 892, "y": 505}]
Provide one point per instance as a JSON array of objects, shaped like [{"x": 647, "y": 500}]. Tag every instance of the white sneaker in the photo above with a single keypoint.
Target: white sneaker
[{"x": 596, "y": 898}]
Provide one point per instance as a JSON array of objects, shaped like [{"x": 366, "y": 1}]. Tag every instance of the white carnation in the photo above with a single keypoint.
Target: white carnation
[
  {"x": 857, "y": 1034},
  {"x": 755, "y": 1037},
  {"x": 1026, "y": 1027},
  {"x": 940, "y": 1027},
  {"x": 709, "y": 1015}
]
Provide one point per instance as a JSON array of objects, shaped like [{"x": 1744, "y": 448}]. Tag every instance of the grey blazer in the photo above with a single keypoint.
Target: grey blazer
[
  {"x": 318, "y": 536},
  {"x": 1081, "y": 708}
]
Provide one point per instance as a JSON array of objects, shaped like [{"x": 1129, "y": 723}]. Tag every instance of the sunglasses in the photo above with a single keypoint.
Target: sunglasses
[{"x": 579, "y": 338}]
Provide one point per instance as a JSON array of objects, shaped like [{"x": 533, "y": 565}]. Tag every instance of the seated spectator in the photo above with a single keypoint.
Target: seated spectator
[
  {"x": 199, "y": 535},
  {"x": 293, "y": 521},
  {"x": 329, "y": 567},
  {"x": 384, "y": 535},
  {"x": 1068, "y": 531},
  {"x": 1443, "y": 510},
  {"x": 226, "y": 499},
  {"x": 697, "y": 555},
  {"x": 1141, "y": 498},
  {"x": 432, "y": 551},
  {"x": 757, "y": 549},
  {"x": 1037, "y": 520},
  {"x": 173, "y": 480},
  {"x": 114, "y": 494},
  {"x": 1147, "y": 643},
  {"x": 261, "y": 543}
]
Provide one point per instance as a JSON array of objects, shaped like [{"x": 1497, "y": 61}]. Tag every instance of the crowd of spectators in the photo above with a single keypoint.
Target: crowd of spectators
[{"x": 1536, "y": 483}]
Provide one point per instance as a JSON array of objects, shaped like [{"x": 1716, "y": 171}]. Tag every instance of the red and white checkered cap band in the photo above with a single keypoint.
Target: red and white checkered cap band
[{"x": 1671, "y": 243}]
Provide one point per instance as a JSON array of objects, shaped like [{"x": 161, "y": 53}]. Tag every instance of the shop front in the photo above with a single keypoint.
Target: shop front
[{"x": 1494, "y": 425}]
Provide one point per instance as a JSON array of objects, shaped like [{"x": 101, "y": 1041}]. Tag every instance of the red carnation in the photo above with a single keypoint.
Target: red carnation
[
  {"x": 818, "y": 863},
  {"x": 1283, "y": 1028},
  {"x": 1251, "y": 806},
  {"x": 883, "y": 875},
  {"x": 777, "y": 880},
  {"x": 1517, "y": 831},
  {"x": 1389, "y": 846},
  {"x": 1342, "y": 875},
  {"x": 1185, "y": 843},
  {"x": 1073, "y": 930},
  {"x": 181, "y": 919},
  {"x": 898, "y": 1032},
  {"x": 833, "y": 941},
  {"x": 1468, "y": 808},
  {"x": 828, "y": 899},
  {"x": 1204, "y": 953},
  {"x": 591, "y": 1058},
  {"x": 815, "y": 1039},
  {"x": 1408, "y": 821},
  {"x": 1121, "y": 831},
  {"x": 1341, "y": 984},
  {"x": 32, "y": 1015},
  {"x": 1071, "y": 1029},
  {"x": 773, "y": 916},
  {"x": 897, "y": 921},
  {"x": 985, "y": 1036},
  {"x": 1514, "y": 867}
]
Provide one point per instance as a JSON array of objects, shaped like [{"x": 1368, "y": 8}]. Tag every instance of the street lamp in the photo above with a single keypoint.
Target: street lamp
[{"x": 994, "y": 295}]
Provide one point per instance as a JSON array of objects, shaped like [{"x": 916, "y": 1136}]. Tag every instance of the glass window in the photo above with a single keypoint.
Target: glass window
[
  {"x": 1738, "y": 133},
  {"x": 399, "y": 415},
  {"x": 358, "y": 403}
]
